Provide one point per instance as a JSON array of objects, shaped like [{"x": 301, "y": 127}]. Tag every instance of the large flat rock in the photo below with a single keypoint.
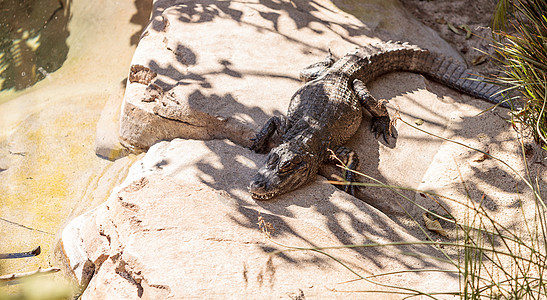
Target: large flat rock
[
  {"x": 186, "y": 228},
  {"x": 183, "y": 222}
]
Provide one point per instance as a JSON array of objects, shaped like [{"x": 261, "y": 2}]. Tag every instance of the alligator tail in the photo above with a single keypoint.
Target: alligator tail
[
  {"x": 389, "y": 57},
  {"x": 457, "y": 76}
]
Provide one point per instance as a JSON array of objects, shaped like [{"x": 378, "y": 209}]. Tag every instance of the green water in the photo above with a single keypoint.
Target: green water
[
  {"x": 33, "y": 41},
  {"x": 61, "y": 61}
]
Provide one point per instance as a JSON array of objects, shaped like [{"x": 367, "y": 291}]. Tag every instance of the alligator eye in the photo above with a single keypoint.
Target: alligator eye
[
  {"x": 286, "y": 166},
  {"x": 297, "y": 160},
  {"x": 272, "y": 160}
]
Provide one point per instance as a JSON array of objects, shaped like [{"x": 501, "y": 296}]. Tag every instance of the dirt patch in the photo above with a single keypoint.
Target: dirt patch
[{"x": 446, "y": 17}]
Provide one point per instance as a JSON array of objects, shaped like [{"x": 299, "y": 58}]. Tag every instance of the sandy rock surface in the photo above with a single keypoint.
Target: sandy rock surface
[{"x": 183, "y": 222}]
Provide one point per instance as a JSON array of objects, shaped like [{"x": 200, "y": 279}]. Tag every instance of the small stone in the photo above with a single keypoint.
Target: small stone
[{"x": 141, "y": 74}]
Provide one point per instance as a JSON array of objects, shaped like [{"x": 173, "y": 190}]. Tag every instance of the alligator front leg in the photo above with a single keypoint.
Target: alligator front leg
[
  {"x": 270, "y": 134},
  {"x": 315, "y": 70},
  {"x": 381, "y": 123},
  {"x": 350, "y": 159}
]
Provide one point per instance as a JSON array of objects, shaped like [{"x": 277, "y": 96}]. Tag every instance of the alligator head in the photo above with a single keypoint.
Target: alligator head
[{"x": 286, "y": 169}]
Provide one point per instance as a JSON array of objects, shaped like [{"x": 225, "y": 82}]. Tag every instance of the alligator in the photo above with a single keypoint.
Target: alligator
[{"x": 325, "y": 112}]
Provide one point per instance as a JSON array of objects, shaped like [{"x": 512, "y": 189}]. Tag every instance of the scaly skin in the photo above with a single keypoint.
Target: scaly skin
[{"x": 325, "y": 112}]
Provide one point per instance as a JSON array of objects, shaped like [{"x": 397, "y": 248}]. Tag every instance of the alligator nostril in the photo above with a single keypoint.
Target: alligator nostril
[{"x": 257, "y": 185}]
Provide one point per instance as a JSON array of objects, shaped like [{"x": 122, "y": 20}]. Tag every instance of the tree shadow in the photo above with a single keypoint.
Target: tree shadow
[{"x": 33, "y": 40}]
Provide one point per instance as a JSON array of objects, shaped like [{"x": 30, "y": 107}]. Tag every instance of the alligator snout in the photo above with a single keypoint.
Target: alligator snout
[{"x": 259, "y": 187}]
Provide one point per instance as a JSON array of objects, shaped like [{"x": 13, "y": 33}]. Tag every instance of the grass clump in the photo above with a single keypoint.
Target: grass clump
[{"x": 520, "y": 38}]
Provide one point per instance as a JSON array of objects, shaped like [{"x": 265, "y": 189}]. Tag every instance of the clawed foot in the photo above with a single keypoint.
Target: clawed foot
[
  {"x": 347, "y": 182},
  {"x": 259, "y": 145},
  {"x": 350, "y": 188},
  {"x": 270, "y": 135},
  {"x": 349, "y": 159},
  {"x": 382, "y": 126}
]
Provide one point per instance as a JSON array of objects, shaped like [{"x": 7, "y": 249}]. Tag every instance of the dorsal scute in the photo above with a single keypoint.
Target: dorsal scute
[
  {"x": 394, "y": 50},
  {"x": 372, "y": 60}
]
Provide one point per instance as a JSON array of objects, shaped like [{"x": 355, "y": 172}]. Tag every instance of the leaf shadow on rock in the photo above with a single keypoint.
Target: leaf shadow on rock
[
  {"x": 303, "y": 13},
  {"x": 348, "y": 221}
]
